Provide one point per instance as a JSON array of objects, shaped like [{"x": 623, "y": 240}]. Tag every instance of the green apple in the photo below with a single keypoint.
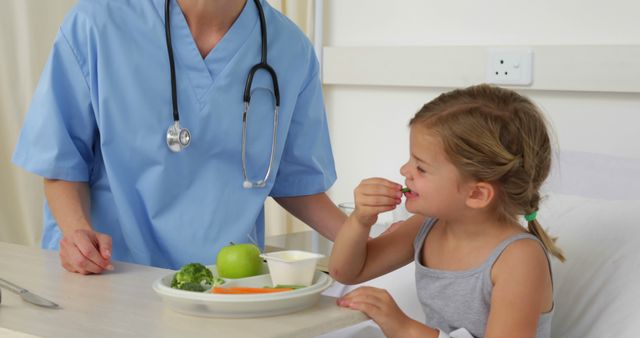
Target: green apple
[{"x": 239, "y": 261}]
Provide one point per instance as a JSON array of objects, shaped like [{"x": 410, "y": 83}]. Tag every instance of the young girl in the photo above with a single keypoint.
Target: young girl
[{"x": 478, "y": 158}]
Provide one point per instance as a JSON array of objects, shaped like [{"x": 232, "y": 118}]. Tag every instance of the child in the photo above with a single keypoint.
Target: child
[{"x": 477, "y": 159}]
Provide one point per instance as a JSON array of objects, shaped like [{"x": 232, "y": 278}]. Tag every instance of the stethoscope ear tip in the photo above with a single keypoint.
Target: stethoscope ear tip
[{"x": 247, "y": 184}]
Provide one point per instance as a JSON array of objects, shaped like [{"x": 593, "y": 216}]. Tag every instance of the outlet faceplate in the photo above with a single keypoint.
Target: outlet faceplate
[{"x": 513, "y": 66}]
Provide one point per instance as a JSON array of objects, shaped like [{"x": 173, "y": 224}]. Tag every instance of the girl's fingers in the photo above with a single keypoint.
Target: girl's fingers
[
  {"x": 382, "y": 181},
  {"x": 376, "y": 201},
  {"x": 380, "y": 189},
  {"x": 371, "y": 310},
  {"x": 377, "y": 195},
  {"x": 377, "y": 209},
  {"x": 362, "y": 296},
  {"x": 374, "y": 196},
  {"x": 360, "y": 291}
]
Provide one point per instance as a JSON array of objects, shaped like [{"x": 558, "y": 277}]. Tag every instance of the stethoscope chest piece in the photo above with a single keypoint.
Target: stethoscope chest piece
[{"x": 178, "y": 138}]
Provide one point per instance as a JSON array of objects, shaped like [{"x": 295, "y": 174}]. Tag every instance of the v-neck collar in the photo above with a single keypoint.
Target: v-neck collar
[{"x": 202, "y": 73}]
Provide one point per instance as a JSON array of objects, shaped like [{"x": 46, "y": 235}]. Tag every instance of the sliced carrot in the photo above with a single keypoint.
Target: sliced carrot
[{"x": 246, "y": 290}]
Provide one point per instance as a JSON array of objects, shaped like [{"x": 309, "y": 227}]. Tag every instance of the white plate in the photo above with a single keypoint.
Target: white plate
[{"x": 241, "y": 306}]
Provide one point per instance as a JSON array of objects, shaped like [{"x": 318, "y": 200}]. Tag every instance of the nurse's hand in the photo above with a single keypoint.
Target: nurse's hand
[{"x": 86, "y": 251}]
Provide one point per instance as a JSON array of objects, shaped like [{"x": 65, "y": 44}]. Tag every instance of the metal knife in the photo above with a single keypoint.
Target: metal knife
[{"x": 27, "y": 296}]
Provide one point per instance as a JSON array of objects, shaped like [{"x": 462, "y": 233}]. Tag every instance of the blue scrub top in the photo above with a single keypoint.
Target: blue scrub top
[{"x": 103, "y": 105}]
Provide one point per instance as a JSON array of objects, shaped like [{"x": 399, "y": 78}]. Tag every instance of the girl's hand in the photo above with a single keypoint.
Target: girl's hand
[
  {"x": 379, "y": 306},
  {"x": 374, "y": 196}
]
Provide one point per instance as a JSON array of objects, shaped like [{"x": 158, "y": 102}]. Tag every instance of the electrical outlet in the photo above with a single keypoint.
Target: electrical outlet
[{"x": 512, "y": 66}]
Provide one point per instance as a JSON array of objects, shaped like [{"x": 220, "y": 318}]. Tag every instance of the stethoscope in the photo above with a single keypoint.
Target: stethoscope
[{"x": 179, "y": 138}]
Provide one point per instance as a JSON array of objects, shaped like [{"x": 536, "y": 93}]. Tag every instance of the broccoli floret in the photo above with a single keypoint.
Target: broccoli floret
[
  {"x": 192, "y": 277},
  {"x": 191, "y": 286},
  {"x": 217, "y": 281}
]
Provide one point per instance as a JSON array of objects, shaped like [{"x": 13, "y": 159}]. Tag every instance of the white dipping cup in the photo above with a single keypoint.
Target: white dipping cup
[{"x": 292, "y": 267}]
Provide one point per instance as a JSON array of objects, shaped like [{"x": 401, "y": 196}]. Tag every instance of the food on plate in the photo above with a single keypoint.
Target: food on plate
[
  {"x": 194, "y": 277},
  {"x": 239, "y": 261},
  {"x": 284, "y": 286},
  {"x": 247, "y": 290}
]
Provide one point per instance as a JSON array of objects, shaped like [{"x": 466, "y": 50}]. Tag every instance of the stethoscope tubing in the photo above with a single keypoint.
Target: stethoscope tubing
[
  {"x": 179, "y": 138},
  {"x": 172, "y": 67}
]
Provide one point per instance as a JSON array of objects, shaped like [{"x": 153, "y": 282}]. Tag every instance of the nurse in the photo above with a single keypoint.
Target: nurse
[{"x": 97, "y": 129}]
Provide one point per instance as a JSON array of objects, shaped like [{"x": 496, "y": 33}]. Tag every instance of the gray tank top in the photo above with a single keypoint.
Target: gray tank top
[{"x": 462, "y": 299}]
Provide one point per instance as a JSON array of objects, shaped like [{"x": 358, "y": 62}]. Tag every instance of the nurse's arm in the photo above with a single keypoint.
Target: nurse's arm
[
  {"x": 82, "y": 249},
  {"x": 318, "y": 211}
]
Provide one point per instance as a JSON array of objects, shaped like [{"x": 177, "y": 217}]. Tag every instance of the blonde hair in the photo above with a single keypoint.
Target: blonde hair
[{"x": 495, "y": 135}]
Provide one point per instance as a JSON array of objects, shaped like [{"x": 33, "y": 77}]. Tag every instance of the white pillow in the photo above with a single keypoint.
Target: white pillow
[{"x": 598, "y": 288}]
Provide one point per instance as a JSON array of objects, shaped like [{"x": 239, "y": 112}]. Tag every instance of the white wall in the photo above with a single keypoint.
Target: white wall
[
  {"x": 369, "y": 123},
  {"x": 472, "y": 22}
]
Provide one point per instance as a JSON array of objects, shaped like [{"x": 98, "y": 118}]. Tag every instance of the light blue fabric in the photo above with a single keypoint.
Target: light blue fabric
[{"x": 103, "y": 105}]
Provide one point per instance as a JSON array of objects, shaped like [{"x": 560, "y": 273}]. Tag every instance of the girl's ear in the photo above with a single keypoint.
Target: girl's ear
[{"x": 480, "y": 195}]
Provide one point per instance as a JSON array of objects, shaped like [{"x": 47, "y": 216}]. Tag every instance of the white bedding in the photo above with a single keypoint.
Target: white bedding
[{"x": 598, "y": 288}]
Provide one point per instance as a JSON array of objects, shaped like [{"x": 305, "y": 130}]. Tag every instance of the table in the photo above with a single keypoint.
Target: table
[{"x": 121, "y": 303}]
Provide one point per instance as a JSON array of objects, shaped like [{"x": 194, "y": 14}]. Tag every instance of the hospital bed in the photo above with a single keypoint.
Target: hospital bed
[{"x": 592, "y": 205}]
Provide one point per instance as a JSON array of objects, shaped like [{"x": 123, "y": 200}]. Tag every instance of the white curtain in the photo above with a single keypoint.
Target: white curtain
[
  {"x": 27, "y": 30},
  {"x": 277, "y": 220}
]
